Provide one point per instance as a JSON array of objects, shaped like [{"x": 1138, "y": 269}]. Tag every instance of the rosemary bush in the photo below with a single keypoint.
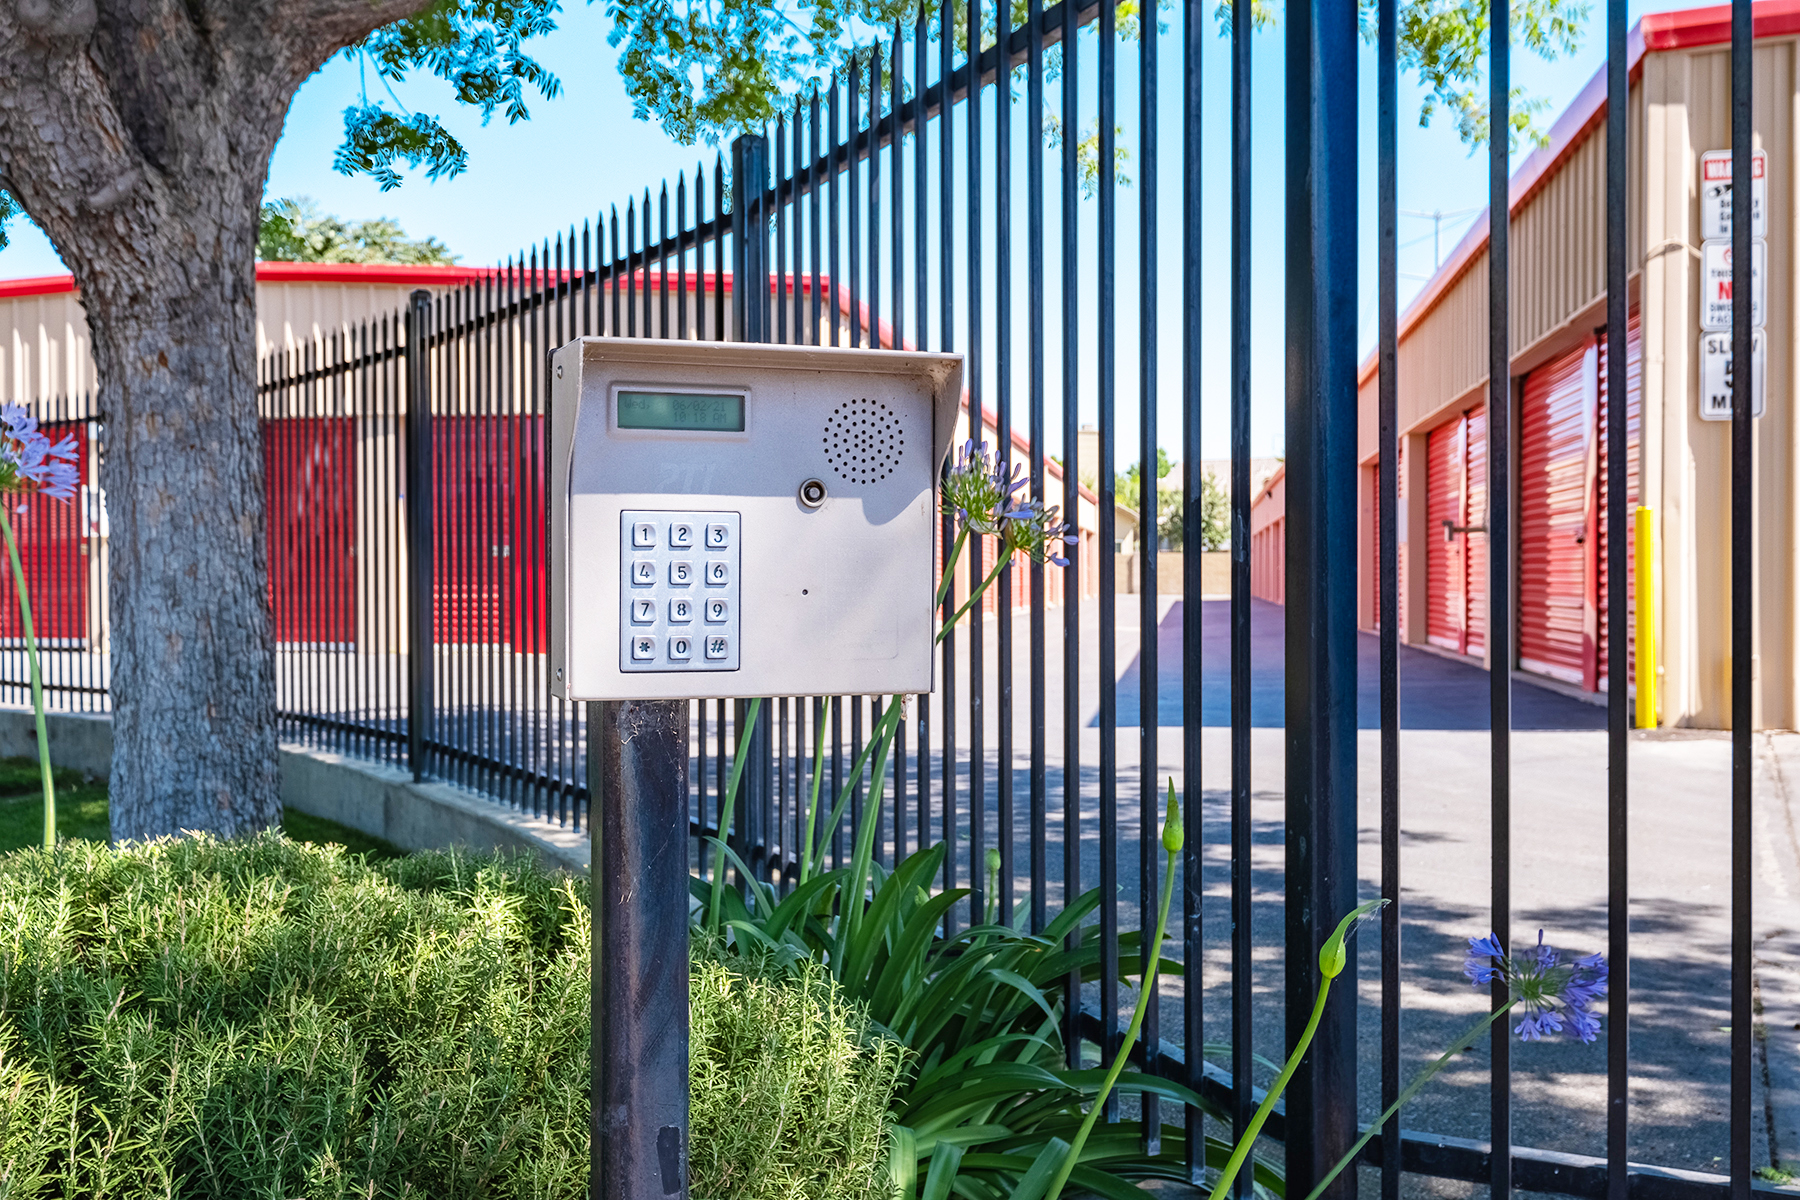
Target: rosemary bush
[
  {"x": 789, "y": 1088},
  {"x": 268, "y": 1019}
]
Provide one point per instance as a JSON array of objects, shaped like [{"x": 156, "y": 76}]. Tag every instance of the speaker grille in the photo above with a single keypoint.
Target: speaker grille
[{"x": 863, "y": 440}]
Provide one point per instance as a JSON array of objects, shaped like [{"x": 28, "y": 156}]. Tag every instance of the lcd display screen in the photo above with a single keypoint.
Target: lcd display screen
[{"x": 702, "y": 411}]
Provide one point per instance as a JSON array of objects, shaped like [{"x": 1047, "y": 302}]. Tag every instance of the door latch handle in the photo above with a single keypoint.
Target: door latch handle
[{"x": 1451, "y": 529}]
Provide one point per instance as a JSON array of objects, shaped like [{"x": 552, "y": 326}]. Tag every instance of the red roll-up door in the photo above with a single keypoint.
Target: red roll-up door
[
  {"x": 1633, "y": 392},
  {"x": 54, "y": 550},
  {"x": 309, "y": 481},
  {"x": 1445, "y": 571},
  {"x": 1456, "y": 559},
  {"x": 489, "y": 518},
  {"x": 1475, "y": 556},
  {"x": 1556, "y": 474}
]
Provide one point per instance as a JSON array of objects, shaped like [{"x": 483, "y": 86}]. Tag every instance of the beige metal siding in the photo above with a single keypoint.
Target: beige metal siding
[
  {"x": 1688, "y": 461},
  {"x": 43, "y": 348},
  {"x": 1558, "y": 282},
  {"x": 291, "y": 315}
]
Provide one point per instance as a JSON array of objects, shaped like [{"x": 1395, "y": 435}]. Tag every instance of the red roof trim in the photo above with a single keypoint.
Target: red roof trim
[
  {"x": 36, "y": 285},
  {"x": 307, "y": 272},
  {"x": 1712, "y": 26}
]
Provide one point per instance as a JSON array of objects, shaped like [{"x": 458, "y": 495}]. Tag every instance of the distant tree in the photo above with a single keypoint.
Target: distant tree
[
  {"x": 1215, "y": 514},
  {"x": 1127, "y": 482},
  {"x": 296, "y": 231}
]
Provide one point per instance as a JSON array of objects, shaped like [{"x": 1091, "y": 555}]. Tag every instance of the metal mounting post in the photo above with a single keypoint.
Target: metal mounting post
[{"x": 637, "y": 775}]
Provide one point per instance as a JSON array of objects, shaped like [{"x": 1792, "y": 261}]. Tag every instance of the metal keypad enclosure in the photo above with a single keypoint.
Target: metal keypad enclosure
[
  {"x": 821, "y": 464},
  {"x": 678, "y": 586}
]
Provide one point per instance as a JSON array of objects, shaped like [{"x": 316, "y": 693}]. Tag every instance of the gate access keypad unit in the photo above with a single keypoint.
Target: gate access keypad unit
[
  {"x": 735, "y": 520},
  {"x": 678, "y": 581}
]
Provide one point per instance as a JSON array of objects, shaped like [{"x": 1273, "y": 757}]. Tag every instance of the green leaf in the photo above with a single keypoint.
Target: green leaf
[
  {"x": 1043, "y": 1168},
  {"x": 945, "y": 1161}
]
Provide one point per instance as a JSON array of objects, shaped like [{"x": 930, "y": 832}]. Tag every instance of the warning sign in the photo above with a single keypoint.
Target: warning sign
[
  {"x": 1715, "y": 194},
  {"x": 1715, "y": 375},
  {"x": 1716, "y": 284}
]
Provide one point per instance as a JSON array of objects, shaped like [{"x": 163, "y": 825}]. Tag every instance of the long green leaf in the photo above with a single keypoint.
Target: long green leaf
[
  {"x": 903, "y": 1161},
  {"x": 1037, "y": 1177},
  {"x": 945, "y": 1161}
]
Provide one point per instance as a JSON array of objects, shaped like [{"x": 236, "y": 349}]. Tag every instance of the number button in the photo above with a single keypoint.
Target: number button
[
  {"x": 718, "y": 572},
  {"x": 643, "y": 648},
  {"x": 718, "y": 646},
  {"x": 680, "y": 649},
  {"x": 681, "y": 573},
  {"x": 681, "y": 536},
  {"x": 643, "y": 535},
  {"x": 681, "y": 611},
  {"x": 718, "y": 610},
  {"x": 643, "y": 572},
  {"x": 718, "y": 537},
  {"x": 643, "y": 612}
]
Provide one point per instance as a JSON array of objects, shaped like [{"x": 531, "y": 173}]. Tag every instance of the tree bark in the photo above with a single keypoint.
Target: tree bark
[{"x": 137, "y": 134}]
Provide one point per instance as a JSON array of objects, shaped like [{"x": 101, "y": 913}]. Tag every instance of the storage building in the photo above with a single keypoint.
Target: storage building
[{"x": 1564, "y": 392}]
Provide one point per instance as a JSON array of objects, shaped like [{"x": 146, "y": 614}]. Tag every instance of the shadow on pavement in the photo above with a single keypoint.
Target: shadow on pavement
[{"x": 1435, "y": 692}]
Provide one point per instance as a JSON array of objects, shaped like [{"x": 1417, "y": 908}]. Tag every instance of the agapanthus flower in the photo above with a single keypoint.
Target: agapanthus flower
[
  {"x": 983, "y": 496},
  {"x": 1551, "y": 996},
  {"x": 29, "y": 462}
]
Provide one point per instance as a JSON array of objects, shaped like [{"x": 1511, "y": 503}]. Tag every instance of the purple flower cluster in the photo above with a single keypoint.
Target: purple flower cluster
[
  {"x": 1553, "y": 995},
  {"x": 982, "y": 494},
  {"x": 28, "y": 460}
]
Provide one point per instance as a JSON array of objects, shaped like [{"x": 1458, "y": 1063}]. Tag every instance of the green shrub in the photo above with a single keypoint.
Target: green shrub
[
  {"x": 790, "y": 1087},
  {"x": 268, "y": 1019}
]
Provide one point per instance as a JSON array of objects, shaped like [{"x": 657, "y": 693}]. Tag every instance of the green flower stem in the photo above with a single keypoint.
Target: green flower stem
[
  {"x": 37, "y": 683},
  {"x": 950, "y": 560},
  {"x": 727, "y": 809},
  {"x": 1241, "y": 1152},
  {"x": 1333, "y": 956},
  {"x": 812, "y": 808},
  {"x": 1151, "y": 955},
  {"x": 1424, "y": 1077}
]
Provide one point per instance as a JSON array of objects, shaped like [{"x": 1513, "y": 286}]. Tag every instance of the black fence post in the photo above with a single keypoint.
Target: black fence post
[
  {"x": 637, "y": 767},
  {"x": 750, "y": 237},
  {"x": 419, "y": 562},
  {"x": 750, "y": 304},
  {"x": 1321, "y": 567}
]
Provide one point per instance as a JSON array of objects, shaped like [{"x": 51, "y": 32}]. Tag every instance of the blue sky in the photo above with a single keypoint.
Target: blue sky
[{"x": 584, "y": 152}]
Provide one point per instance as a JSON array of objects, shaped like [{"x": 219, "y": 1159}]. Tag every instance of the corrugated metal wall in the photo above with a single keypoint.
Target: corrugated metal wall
[
  {"x": 45, "y": 350},
  {"x": 1686, "y": 462}
]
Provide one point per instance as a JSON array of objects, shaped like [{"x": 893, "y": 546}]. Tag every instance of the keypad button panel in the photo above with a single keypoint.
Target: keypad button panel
[{"x": 665, "y": 559}]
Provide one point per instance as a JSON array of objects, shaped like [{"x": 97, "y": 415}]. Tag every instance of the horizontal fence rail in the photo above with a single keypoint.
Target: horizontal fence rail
[{"x": 932, "y": 199}]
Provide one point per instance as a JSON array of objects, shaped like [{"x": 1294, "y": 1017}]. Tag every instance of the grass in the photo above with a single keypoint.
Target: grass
[{"x": 81, "y": 812}]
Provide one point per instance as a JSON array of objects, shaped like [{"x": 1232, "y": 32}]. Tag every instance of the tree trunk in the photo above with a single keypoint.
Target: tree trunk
[
  {"x": 193, "y": 682},
  {"x": 137, "y": 134}
]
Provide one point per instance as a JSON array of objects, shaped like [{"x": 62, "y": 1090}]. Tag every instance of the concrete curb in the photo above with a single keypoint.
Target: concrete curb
[{"x": 373, "y": 798}]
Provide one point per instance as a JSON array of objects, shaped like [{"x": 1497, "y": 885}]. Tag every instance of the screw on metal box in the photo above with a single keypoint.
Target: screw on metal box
[{"x": 812, "y": 493}]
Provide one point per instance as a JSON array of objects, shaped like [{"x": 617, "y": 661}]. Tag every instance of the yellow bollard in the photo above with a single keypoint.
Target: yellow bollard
[{"x": 1646, "y": 619}]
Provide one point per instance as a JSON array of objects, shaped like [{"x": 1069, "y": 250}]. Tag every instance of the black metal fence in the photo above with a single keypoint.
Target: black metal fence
[{"x": 406, "y": 489}]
